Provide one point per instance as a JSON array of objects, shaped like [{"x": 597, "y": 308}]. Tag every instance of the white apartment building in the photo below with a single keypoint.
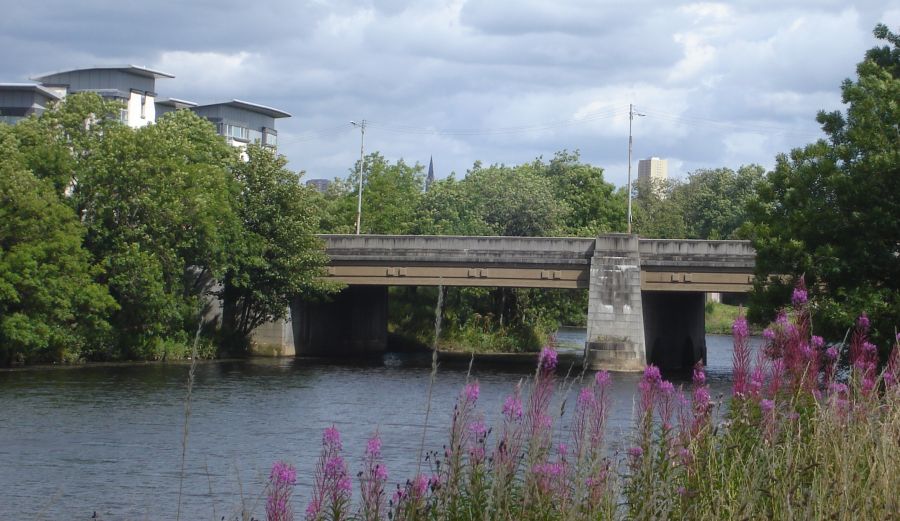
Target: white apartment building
[{"x": 135, "y": 86}]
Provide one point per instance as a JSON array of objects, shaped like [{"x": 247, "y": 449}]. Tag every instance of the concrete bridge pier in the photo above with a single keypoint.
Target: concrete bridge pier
[
  {"x": 674, "y": 328},
  {"x": 615, "y": 321},
  {"x": 353, "y": 322}
]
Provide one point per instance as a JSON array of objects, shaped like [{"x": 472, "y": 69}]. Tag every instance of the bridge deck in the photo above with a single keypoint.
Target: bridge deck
[{"x": 531, "y": 262}]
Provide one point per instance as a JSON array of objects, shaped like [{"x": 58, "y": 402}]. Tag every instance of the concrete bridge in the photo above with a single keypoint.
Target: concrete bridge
[{"x": 646, "y": 296}]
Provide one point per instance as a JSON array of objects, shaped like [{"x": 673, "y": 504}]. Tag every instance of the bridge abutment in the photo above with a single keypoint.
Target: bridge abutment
[
  {"x": 353, "y": 322},
  {"x": 615, "y": 321}
]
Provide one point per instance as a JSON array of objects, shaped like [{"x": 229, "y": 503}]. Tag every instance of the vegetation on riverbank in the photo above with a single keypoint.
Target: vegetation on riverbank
[
  {"x": 811, "y": 432},
  {"x": 720, "y": 317},
  {"x": 112, "y": 239}
]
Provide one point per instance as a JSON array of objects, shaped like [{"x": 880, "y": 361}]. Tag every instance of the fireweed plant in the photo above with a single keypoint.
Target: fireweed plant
[{"x": 811, "y": 431}]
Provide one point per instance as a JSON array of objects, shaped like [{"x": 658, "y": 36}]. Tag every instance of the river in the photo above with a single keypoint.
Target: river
[{"x": 108, "y": 439}]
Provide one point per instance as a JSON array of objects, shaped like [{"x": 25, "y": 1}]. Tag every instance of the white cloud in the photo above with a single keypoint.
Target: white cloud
[{"x": 720, "y": 82}]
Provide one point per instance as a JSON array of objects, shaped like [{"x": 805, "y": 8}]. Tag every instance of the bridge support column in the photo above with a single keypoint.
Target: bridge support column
[
  {"x": 273, "y": 338},
  {"x": 354, "y": 322},
  {"x": 615, "y": 321},
  {"x": 675, "y": 328}
]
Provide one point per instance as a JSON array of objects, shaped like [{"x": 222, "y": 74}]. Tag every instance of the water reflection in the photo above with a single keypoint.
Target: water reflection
[{"x": 108, "y": 438}]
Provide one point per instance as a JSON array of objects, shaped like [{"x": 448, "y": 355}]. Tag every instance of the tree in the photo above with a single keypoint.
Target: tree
[
  {"x": 657, "y": 212},
  {"x": 830, "y": 210},
  {"x": 513, "y": 201},
  {"x": 157, "y": 205},
  {"x": 715, "y": 201},
  {"x": 591, "y": 205},
  {"x": 391, "y": 193},
  {"x": 276, "y": 256},
  {"x": 50, "y": 307}
]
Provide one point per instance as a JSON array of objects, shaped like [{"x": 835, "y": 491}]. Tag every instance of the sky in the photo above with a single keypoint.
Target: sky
[{"x": 497, "y": 81}]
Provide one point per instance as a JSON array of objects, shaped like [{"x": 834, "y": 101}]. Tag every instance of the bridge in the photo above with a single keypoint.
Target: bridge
[{"x": 646, "y": 296}]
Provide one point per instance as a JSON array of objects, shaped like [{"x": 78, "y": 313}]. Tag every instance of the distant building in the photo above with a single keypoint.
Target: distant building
[
  {"x": 135, "y": 86},
  {"x": 653, "y": 169},
  {"x": 242, "y": 122},
  {"x": 319, "y": 185},
  {"x": 239, "y": 122},
  {"x": 20, "y": 100}
]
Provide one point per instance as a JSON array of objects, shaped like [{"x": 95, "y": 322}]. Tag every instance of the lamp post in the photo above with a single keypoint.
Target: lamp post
[
  {"x": 362, "y": 143},
  {"x": 631, "y": 115}
]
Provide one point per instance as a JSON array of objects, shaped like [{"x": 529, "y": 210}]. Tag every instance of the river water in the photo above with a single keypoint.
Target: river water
[{"x": 108, "y": 439}]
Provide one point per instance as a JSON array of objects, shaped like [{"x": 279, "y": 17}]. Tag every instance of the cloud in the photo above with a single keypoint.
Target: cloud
[{"x": 721, "y": 83}]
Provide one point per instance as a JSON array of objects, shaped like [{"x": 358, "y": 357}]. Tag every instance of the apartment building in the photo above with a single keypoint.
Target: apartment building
[
  {"x": 20, "y": 100},
  {"x": 134, "y": 86},
  {"x": 239, "y": 122},
  {"x": 242, "y": 122}
]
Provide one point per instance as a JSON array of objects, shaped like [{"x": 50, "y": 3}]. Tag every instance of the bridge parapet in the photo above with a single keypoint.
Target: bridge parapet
[{"x": 448, "y": 250}]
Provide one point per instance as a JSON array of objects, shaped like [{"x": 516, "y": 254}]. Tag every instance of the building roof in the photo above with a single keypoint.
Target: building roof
[
  {"x": 31, "y": 87},
  {"x": 175, "y": 102},
  {"x": 133, "y": 69},
  {"x": 252, "y": 107}
]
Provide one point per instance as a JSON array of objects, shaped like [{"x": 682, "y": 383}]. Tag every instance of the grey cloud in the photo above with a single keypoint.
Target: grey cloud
[{"x": 479, "y": 64}]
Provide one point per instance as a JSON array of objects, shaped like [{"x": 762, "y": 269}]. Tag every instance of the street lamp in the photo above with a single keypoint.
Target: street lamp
[
  {"x": 631, "y": 115},
  {"x": 362, "y": 143}
]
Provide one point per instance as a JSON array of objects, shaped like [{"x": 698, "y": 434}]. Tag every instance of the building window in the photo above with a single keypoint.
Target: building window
[
  {"x": 144, "y": 106},
  {"x": 271, "y": 138},
  {"x": 11, "y": 120},
  {"x": 236, "y": 132},
  {"x": 256, "y": 136},
  {"x": 123, "y": 116}
]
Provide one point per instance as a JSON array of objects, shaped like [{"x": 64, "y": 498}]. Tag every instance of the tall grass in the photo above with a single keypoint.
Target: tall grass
[{"x": 811, "y": 432}]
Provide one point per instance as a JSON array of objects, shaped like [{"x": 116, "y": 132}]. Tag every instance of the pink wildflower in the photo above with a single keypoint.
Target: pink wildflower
[
  {"x": 799, "y": 296},
  {"x": 331, "y": 438},
  {"x": 548, "y": 359},
  {"x": 863, "y": 322},
  {"x": 512, "y": 407},
  {"x": 471, "y": 392}
]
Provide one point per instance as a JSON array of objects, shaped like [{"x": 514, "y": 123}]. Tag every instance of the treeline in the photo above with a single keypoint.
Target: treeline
[{"x": 113, "y": 239}]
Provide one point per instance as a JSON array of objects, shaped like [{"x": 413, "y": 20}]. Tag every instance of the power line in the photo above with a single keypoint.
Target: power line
[{"x": 699, "y": 122}]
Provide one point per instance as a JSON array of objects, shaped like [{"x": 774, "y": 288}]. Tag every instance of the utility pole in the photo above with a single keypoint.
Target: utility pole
[
  {"x": 631, "y": 115},
  {"x": 362, "y": 144}
]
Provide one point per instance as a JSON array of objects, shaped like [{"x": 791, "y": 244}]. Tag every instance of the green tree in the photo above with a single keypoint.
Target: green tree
[
  {"x": 390, "y": 195},
  {"x": 514, "y": 201},
  {"x": 448, "y": 209},
  {"x": 657, "y": 211},
  {"x": 276, "y": 256},
  {"x": 50, "y": 307},
  {"x": 830, "y": 209},
  {"x": 715, "y": 202},
  {"x": 591, "y": 206},
  {"x": 157, "y": 206}
]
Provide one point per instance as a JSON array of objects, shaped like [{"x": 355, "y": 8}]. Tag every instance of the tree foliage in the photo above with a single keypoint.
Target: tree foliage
[
  {"x": 276, "y": 256},
  {"x": 830, "y": 209},
  {"x": 50, "y": 306},
  {"x": 141, "y": 222}
]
